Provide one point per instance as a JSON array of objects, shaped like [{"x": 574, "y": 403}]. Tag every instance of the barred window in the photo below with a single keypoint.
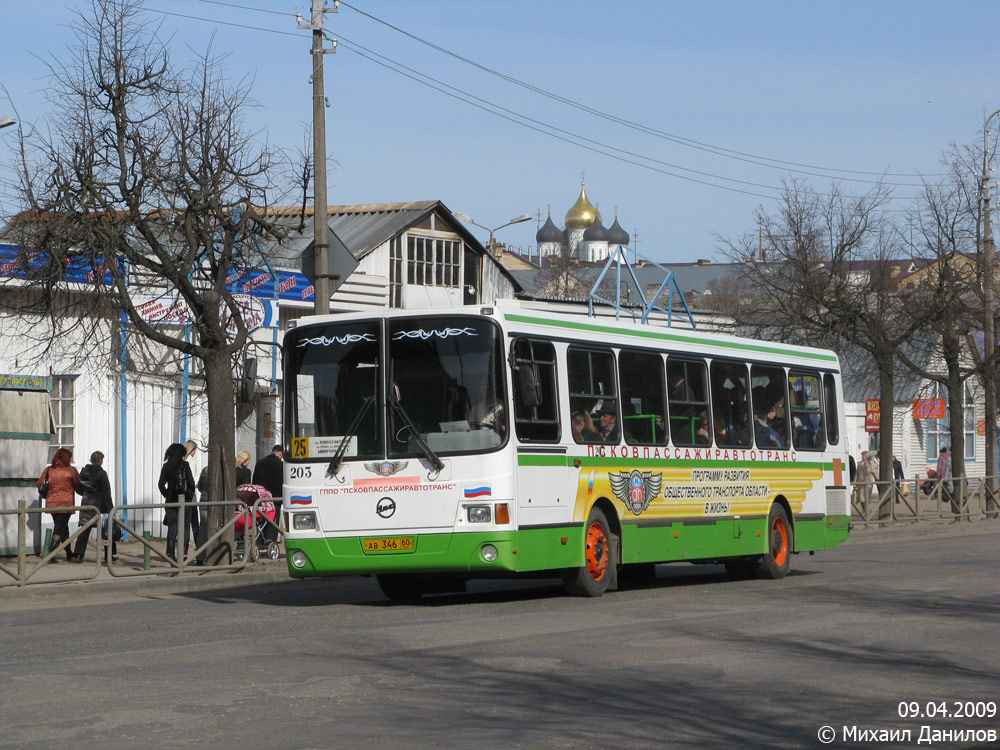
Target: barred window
[
  {"x": 62, "y": 405},
  {"x": 433, "y": 262}
]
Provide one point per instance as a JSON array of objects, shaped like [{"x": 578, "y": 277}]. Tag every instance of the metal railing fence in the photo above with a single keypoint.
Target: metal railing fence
[
  {"x": 28, "y": 564},
  {"x": 930, "y": 499}
]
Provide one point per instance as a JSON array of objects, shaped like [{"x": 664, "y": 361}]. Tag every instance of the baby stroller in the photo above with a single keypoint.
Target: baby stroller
[{"x": 249, "y": 494}]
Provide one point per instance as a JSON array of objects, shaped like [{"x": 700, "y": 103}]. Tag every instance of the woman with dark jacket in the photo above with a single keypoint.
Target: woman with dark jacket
[
  {"x": 96, "y": 490},
  {"x": 176, "y": 480},
  {"x": 64, "y": 482}
]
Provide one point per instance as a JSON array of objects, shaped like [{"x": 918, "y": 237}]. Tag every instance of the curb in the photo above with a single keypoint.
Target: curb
[{"x": 70, "y": 592}]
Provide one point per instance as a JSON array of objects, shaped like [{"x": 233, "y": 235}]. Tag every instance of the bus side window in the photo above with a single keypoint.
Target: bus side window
[
  {"x": 643, "y": 404},
  {"x": 806, "y": 408},
  {"x": 730, "y": 403},
  {"x": 767, "y": 393},
  {"x": 593, "y": 396},
  {"x": 832, "y": 415},
  {"x": 690, "y": 416},
  {"x": 536, "y": 400}
]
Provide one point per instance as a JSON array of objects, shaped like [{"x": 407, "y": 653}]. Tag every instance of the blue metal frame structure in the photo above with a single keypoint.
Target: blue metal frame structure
[{"x": 619, "y": 258}]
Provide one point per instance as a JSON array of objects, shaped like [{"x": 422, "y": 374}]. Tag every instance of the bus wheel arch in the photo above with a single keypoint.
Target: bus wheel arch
[
  {"x": 602, "y": 553},
  {"x": 776, "y": 560}
]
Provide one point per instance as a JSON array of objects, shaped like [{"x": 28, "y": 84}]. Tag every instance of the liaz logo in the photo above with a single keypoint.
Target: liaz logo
[
  {"x": 635, "y": 489},
  {"x": 386, "y": 507}
]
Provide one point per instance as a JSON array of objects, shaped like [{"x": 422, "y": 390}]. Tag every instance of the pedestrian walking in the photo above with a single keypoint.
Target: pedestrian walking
[
  {"x": 95, "y": 487},
  {"x": 270, "y": 473},
  {"x": 61, "y": 482},
  {"x": 176, "y": 481}
]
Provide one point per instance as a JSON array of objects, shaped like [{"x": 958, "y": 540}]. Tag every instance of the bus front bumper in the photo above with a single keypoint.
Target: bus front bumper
[{"x": 452, "y": 552}]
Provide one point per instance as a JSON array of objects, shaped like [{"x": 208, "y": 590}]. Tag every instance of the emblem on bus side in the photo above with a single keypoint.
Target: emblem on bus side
[
  {"x": 635, "y": 489},
  {"x": 385, "y": 507},
  {"x": 386, "y": 468}
]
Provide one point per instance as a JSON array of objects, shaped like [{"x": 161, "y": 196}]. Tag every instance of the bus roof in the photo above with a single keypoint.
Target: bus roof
[{"x": 563, "y": 321}]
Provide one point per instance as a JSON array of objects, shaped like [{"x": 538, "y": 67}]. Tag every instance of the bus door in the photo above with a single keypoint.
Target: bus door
[{"x": 544, "y": 491}]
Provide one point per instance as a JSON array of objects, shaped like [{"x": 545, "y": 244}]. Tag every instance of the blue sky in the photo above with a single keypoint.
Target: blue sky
[{"x": 863, "y": 86}]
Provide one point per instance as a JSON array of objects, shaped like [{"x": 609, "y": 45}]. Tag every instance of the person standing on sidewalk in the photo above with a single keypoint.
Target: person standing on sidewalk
[
  {"x": 269, "y": 473},
  {"x": 944, "y": 476},
  {"x": 64, "y": 482},
  {"x": 243, "y": 474},
  {"x": 96, "y": 490},
  {"x": 867, "y": 472},
  {"x": 176, "y": 480}
]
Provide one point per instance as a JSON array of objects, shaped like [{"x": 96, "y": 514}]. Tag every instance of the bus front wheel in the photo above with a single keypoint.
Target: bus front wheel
[
  {"x": 777, "y": 560},
  {"x": 593, "y": 578}
]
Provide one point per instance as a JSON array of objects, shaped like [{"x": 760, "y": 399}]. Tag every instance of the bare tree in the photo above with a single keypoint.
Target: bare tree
[
  {"x": 827, "y": 278},
  {"x": 147, "y": 175}
]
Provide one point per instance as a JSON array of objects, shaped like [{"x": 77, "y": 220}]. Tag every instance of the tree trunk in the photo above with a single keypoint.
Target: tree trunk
[{"x": 221, "y": 451}]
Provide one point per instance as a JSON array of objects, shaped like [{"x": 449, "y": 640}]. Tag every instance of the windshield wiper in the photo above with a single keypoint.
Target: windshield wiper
[
  {"x": 338, "y": 457},
  {"x": 436, "y": 462}
]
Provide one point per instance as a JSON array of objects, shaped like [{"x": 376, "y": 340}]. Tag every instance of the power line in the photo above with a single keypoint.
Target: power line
[
  {"x": 681, "y": 140},
  {"x": 512, "y": 116},
  {"x": 247, "y": 7},
  {"x": 227, "y": 23}
]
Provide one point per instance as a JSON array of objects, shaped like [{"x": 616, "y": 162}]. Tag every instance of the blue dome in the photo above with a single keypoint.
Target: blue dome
[
  {"x": 596, "y": 232},
  {"x": 617, "y": 235},
  {"x": 549, "y": 232}
]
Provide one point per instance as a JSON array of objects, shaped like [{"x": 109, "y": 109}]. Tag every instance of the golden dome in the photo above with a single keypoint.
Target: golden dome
[{"x": 583, "y": 212}]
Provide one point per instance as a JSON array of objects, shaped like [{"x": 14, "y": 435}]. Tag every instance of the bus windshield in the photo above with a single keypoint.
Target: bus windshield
[
  {"x": 446, "y": 374},
  {"x": 445, "y": 386},
  {"x": 331, "y": 373}
]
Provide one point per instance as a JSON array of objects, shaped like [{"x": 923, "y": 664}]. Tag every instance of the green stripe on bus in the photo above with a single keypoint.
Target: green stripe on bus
[
  {"x": 537, "y": 460},
  {"x": 677, "y": 338}
]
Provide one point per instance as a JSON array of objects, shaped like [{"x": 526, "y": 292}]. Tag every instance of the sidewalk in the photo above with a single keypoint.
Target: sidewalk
[{"x": 61, "y": 582}]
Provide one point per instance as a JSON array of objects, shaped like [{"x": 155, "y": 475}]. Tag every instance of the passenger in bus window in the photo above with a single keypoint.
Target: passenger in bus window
[
  {"x": 765, "y": 434},
  {"x": 583, "y": 428},
  {"x": 702, "y": 436},
  {"x": 741, "y": 432},
  {"x": 608, "y": 425}
]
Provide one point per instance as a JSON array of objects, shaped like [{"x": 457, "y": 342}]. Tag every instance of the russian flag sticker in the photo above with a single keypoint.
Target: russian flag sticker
[
  {"x": 479, "y": 490},
  {"x": 300, "y": 499}
]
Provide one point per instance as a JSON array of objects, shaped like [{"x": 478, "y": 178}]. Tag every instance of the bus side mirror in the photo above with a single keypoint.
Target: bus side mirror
[{"x": 529, "y": 390}]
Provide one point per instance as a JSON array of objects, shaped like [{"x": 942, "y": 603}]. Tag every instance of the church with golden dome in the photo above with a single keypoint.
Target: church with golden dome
[{"x": 585, "y": 238}]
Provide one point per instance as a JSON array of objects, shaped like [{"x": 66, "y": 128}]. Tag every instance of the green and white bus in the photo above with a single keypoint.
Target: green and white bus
[{"x": 430, "y": 447}]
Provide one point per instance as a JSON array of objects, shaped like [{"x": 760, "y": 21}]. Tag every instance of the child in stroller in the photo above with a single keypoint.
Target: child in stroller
[{"x": 250, "y": 494}]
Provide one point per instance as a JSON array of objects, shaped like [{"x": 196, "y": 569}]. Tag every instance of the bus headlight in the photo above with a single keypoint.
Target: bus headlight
[
  {"x": 490, "y": 553},
  {"x": 304, "y": 521},
  {"x": 478, "y": 513},
  {"x": 299, "y": 558}
]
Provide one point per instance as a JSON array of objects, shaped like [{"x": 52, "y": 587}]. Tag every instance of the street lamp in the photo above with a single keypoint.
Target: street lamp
[
  {"x": 492, "y": 243},
  {"x": 6, "y": 122}
]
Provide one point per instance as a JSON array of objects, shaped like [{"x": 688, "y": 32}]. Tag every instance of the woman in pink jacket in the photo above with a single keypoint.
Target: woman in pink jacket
[{"x": 64, "y": 483}]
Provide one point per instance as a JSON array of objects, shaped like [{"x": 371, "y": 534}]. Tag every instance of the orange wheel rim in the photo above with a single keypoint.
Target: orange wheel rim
[
  {"x": 597, "y": 551},
  {"x": 779, "y": 541}
]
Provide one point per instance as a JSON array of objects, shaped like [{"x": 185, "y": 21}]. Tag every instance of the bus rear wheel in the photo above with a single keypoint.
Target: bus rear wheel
[
  {"x": 401, "y": 587},
  {"x": 776, "y": 562},
  {"x": 593, "y": 578}
]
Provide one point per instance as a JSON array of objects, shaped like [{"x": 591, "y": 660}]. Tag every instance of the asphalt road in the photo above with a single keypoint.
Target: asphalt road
[{"x": 692, "y": 660}]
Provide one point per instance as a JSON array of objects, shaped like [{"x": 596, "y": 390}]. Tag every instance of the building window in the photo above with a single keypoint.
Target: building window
[
  {"x": 938, "y": 435},
  {"x": 62, "y": 405},
  {"x": 396, "y": 272},
  {"x": 433, "y": 262}
]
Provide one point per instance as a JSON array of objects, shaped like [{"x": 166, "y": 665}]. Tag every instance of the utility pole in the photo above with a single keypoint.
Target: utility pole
[
  {"x": 321, "y": 243},
  {"x": 989, "y": 329}
]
